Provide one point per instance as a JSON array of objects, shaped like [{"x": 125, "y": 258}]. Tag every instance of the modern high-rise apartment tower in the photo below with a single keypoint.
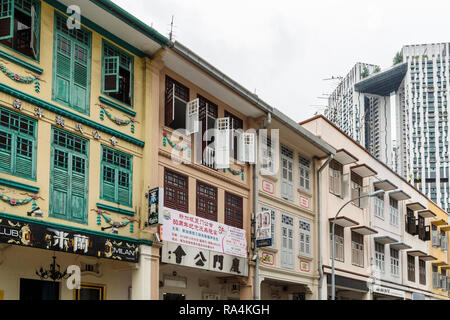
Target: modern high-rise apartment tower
[{"x": 400, "y": 116}]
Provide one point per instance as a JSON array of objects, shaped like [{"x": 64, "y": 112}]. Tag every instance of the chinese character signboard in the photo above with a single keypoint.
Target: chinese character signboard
[
  {"x": 37, "y": 235},
  {"x": 263, "y": 229},
  {"x": 195, "y": 257},
  {"x": 185, "y": 228},
  {"x": 155, "y": 204}
]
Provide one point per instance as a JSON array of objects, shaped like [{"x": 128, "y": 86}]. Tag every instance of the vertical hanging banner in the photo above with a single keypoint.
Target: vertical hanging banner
[
  {"x": 155, "y": 205},
  {"x": 185, "y": 228},
  {"x": 263, "y": 229}
]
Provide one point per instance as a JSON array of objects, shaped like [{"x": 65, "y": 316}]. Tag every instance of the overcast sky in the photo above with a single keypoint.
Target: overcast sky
[{"x": 284, "y": 49}]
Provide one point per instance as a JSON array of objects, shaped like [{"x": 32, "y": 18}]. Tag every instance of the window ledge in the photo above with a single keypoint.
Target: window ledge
[
  {"x": 302, "y": 256},
  {"x": 117, "y": 106},
  {"x": 18, "y": 185},
  {"x": 272, "y": 178},
  {"x": 20, "y": 61},
  {"x": 114, "y": 209},
  {"x": 304, "y": 192},
  {"x": 273, "y": 250}
]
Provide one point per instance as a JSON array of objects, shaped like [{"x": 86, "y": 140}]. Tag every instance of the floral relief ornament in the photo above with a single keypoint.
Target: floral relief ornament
[{"x": 33, "y": 78}]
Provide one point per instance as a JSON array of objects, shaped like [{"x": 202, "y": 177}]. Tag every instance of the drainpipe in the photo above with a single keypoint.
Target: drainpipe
[
  {"x": 319, "y": 225},
  {"x": 264, "y": 125}
]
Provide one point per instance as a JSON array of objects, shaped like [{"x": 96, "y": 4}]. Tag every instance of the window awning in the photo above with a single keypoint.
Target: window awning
[
  {"x": 416, "y": 253},
  {"x": 438, "y": 222},
  {"x": 414, "y": 206},
  {"x": 344, "y": 222},
  {"x": 427, "y": 258},
  {"x": 439, "y": 263},
  {"x": 426, "y": 213},
  {"x": 399, "y": 246},
  {"x": 385, "y": 240},
  {"x": 399, "y": 195},
  {"x": 363, "y": 170},
  {"x": 344, "y": 157},
  {"x": 447, "y": 266},
  {"x": 364, "y": 230},
  {"x": 385, "y": 185},
  {"x": 445, "y": 228}
]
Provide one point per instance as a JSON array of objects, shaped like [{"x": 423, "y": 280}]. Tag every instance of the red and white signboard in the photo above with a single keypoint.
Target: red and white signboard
[
  {"x": 185, "y": 228},
  {"x": 267, "y": 186},
  {"x": 304, "y": 202}
]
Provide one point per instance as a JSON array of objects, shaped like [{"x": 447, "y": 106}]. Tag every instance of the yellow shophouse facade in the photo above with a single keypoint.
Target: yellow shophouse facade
[
  {"x": 73, "y": 102},
  {"x": 439, "y": 250}
]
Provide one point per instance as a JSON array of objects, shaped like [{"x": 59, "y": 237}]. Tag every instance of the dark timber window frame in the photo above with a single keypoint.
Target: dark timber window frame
[
  {"x": 176, "y": 96},
  {"x": 356, "y": 188},
  {"x": 206, "y": 201},
  {"x": 180, "y": 198},
  {"x": 422, "y": 272},
  {"x": 233, "y": 210},
  {"x": 237, "y": 127},
  {"x": 208, "y": 115},
  {"x": 411, "y": 260},
  {"x": 117, "y": 73},
  {"x": 20, "y": 26}
]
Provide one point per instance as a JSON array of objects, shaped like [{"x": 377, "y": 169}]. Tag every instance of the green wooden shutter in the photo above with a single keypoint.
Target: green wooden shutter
[
  {"x": 63, "y": 68},
  {"x": 111, "y": 74},
  {"x": 24, "y": 157},
  {"x": 124, "y": 190},
  {"x": 79, "y": 92},
  {"x": 108, "y": 183},
  {"x": 5, "y": 151},
  {"x": 116, "y": 185},
  {"x": 69, "y": 179},
  {"x": 35, "y": 29},
  {"x": 6, "y": 19},
  {"x": 60, "y": 183},
  {"x": 78, "y": 186}
]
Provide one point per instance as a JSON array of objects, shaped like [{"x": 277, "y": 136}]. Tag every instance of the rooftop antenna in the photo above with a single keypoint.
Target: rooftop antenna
[
  {"x": 334, "y": 78},
  {"x": 171, "y": 30}
]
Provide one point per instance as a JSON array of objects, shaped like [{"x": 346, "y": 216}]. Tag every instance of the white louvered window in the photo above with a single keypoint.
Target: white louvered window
[
  {"x": 305, "y": 245},
  {"x": 287, "y": 241},
  {"x": 287, "y": 173},
  {"x": 395, "y": 263},
  {"x": 393, "y": 212},
  {"x": 379, "y": 206},
  {"x": 379, "y": 256},
  {"x": 304, "y": 169}
]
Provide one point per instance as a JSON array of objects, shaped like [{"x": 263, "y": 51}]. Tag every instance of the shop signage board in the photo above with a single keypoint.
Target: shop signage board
[
  {"x": 155, "y": 205},
  {"x": 37, "y": 235},
  {"x": 189, "y": 256},
  {"x": 187, "y": 229},
  {"x": 388, "y": 291},
  {"x": 263, "y": 229}
]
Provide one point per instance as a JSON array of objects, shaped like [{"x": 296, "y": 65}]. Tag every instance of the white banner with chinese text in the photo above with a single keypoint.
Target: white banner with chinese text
[{"x": 185, "y": 228}]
